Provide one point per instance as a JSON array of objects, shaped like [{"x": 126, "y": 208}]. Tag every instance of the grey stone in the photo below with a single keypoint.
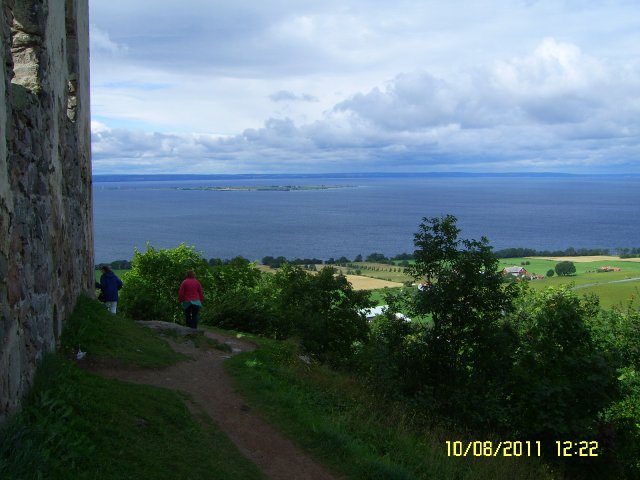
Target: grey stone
[{"x": 46, "y": 232}]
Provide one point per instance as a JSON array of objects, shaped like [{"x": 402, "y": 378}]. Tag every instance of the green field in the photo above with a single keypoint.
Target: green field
[
  {"x": 613, "y": 288},
  {"x": 392, "y": 273},
  {"x": 587, "y": 279}
]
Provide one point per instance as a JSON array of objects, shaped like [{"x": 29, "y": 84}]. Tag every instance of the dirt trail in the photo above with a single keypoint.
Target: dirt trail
[{"x": 210, "y": 387}]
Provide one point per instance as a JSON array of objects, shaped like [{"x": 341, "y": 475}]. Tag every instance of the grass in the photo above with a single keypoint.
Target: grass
[
  {"x": 77, "y": 425},
  {"x": 587, "y": 278},
  {"x": 378, "y": 295},
  {"x": 119, "y": 273},
  {"x": 615, "y": 294},
  {"x": 335, "y": 419},
  {"x": 94, "y": 330}
]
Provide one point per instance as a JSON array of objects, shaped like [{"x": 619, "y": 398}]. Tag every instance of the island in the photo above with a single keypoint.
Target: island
[{"x": 266, "y": 188}]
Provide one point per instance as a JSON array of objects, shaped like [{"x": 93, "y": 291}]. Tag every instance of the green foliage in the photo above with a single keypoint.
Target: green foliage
[
  {"x": 150, "y": 289},
  {"x": 565, "y": 268},
  {"x": 466, "y": 299},
  {"x": 561, "y": 380},
  {"x": 377, "y": 258},
  {"x": 618, "y": 333},
  {"x": 240, "y": 298},
  {"x": 358, "y": 435},
  {"x": 323, "y": 310},
  {"x": 550, "y": 273}
]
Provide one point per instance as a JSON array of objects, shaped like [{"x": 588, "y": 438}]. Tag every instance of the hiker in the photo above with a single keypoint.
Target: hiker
[
  {"x": 109, "y": 285},
  {"x": 191, "y": 296}
]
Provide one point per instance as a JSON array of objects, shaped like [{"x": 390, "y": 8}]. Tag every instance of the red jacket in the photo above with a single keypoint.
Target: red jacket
[{"x": 190, "y": 289}]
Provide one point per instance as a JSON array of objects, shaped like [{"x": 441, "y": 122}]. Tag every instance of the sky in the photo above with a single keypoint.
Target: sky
[{"x": 319, "y": 86}]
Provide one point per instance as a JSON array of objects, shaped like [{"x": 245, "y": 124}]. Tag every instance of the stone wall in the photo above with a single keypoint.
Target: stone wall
[{"x": 46, "y": 230}]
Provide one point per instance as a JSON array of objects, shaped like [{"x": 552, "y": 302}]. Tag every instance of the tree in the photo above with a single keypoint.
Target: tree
[
  {"x": 150, "y": 290},
  {"x": 565, "y": 268},
  {"x": 323, "y": 310},
  {"x": 561, "y": 378},
  {"x": 377, "y": 258},
  {"x": 466, "y": 301},
  {"x": 550, "y": 273}
]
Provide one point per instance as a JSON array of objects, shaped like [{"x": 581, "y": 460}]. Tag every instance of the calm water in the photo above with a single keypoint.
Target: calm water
[{"x": 371, "y": 214}]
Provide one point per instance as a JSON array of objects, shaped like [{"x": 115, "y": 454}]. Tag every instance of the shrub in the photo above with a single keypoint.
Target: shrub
[
  {"x": 323, "y": 310},
  {"x": 550, "y": 273},
  {"x": 560, "y": 380},
  {"x": 150, "y": 290}
]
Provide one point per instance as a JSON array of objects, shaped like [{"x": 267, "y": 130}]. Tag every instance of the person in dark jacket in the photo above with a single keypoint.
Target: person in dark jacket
[
  {"x": 109, "y": 284},
  {"x": 191, "y": 296}
]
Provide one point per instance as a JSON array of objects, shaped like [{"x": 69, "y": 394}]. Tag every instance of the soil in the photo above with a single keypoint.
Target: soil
[{"x": 205, "y": 380}]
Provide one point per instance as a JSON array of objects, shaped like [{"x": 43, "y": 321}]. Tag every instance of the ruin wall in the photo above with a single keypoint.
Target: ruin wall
[{"x": 46, "y": 230}]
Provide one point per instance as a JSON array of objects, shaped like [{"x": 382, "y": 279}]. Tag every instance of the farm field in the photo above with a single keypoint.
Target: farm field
[
  {"x": 613, "y": 288},
  {"x": 382, "y": 271},
  {"x": 361, "y": 282}
]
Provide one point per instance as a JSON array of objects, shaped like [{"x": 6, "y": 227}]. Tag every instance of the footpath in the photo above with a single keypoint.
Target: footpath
[{"x": 211, "y": 391}]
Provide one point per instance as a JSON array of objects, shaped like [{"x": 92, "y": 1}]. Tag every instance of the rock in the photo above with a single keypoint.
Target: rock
[{"x": 179, "y": 329}]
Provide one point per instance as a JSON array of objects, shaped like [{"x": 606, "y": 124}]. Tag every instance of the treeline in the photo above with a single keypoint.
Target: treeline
[
  {"x": 276, "y": 262},
  {"x": 403, "y": 259}
]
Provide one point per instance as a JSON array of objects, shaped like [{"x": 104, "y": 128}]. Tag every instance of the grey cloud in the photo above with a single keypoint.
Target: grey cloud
[{"x": 286, "y": 96}]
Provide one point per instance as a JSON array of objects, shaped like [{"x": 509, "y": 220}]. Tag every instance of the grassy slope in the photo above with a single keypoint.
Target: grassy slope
[
  {"x": 78, "y": 425},
  {"x": 331, "y": 416}
]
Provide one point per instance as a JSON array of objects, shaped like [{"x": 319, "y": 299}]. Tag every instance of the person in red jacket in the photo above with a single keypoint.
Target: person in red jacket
[{"x": 191, "y": 296}]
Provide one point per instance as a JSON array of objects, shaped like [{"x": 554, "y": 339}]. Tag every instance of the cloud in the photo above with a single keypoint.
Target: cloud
[
  {"x": 335, "y": 85},
  {"x": 100, "y": 42},
  {"x": 286, "y": 96},
  {"x": 553, "y": 109}
]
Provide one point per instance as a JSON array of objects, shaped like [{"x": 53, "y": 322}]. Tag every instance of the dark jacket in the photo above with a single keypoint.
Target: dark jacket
[{"x": 109, "y": 284}]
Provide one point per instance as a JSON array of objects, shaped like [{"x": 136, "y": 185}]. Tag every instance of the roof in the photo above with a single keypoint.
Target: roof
[{"x": 513, "y": 269}]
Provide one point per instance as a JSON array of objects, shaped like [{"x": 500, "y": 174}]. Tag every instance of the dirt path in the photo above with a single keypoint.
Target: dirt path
[{"x": 210, "y": 388}]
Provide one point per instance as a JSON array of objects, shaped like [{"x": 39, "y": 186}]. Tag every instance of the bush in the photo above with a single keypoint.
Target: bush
[
  {"x": 323, "y": 310},
  {"x": 150, "y": 290},
  {"x": 242, "y": 299},
  {"x": 550, "y": 273},
  {"x": 560, "y": 380}
]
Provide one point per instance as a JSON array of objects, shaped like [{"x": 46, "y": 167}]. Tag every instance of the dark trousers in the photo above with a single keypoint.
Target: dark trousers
[{"x": 191, "y": 316}]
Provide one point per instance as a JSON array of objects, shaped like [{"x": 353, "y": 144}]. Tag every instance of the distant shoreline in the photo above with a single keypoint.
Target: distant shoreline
[
  {"x": 266, "y": 188},
  {"x": 117, "y": 177}
]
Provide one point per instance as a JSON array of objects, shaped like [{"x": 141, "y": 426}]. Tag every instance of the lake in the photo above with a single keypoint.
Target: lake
[{"x": 368, "y": 213}]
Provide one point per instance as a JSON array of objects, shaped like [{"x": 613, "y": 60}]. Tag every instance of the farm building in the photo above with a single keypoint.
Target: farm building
[
  {"x": 515, "y": 271},
  {"x": 609, "y": 269}
]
